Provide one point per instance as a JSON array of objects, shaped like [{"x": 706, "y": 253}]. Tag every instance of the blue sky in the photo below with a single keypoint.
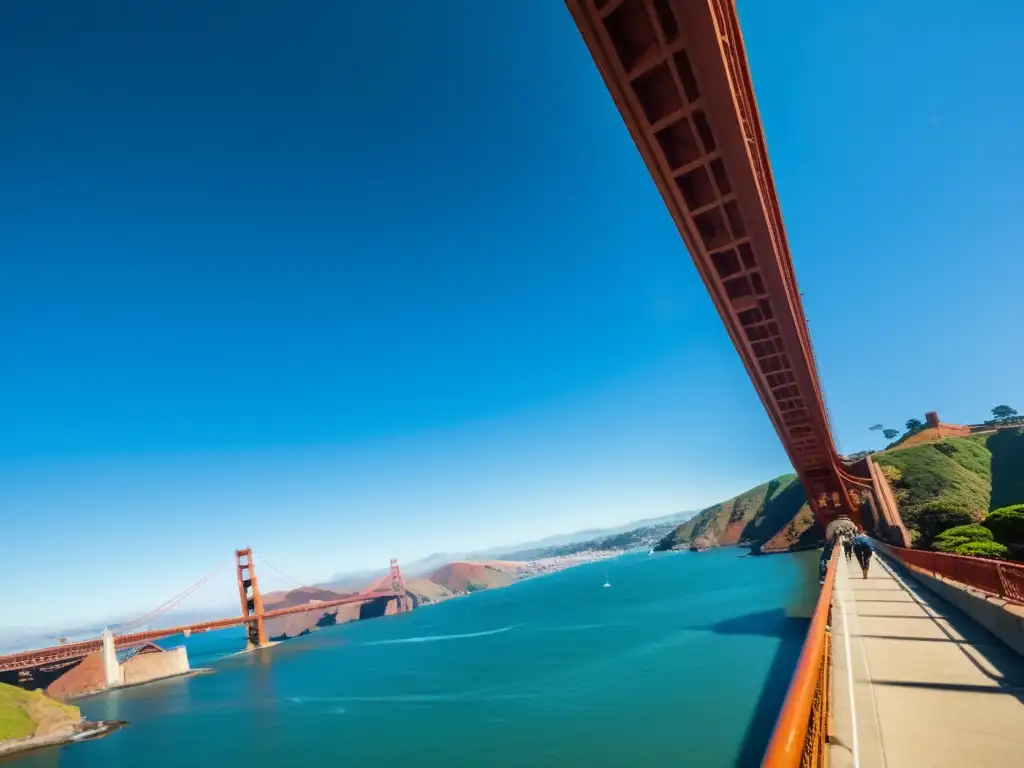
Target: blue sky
[{"x": 342, "y": 283}]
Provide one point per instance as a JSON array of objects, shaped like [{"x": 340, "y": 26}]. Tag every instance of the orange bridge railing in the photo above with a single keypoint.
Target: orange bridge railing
[
  {"x": 799, "y": 738},
  {"x": 993, "y": 576}
]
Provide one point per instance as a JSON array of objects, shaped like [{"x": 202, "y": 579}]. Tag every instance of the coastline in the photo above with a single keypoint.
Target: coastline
[
  {"x": 83, "y": 730},
  {"x": 533, "y": 568}
]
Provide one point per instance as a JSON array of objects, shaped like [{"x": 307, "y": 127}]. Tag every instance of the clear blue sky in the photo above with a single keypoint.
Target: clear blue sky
[{"x": 349, "y": 281}]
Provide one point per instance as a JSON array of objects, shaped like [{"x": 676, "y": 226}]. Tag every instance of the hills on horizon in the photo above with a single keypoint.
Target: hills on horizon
[
  {"x": 17, "y": 638},
  {"x": 535, "y": 548},
  {"x": 972, "y": 471}
]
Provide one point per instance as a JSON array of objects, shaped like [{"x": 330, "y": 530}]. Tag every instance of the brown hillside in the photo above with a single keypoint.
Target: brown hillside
[
  {"x": 458, "y": 576},
  {"x": 422, "y": 590},
  {"x": 300, "y": 596},
  {"x": 426, "y": 591},
  {"x": 440, "y": 585},
  {"x": 297, "y": 623},
  {"x": 932, "y": 435}
]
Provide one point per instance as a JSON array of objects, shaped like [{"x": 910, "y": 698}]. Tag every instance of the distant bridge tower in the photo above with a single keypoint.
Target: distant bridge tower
[
  {"x": 252, "y": 600},
  {"x": 398, "y": 585}
]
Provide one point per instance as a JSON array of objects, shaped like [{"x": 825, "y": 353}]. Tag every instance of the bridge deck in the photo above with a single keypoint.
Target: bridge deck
[{"x": 929, "y": 686}]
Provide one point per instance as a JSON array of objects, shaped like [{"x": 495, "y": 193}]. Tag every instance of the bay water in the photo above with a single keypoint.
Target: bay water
[{"x": 684, "y": 660}]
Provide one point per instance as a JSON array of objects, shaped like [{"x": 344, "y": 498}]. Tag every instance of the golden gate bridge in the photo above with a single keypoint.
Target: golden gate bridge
[
  {"x": 678, "y": 73},
  {"x": 253, "y": 617}
]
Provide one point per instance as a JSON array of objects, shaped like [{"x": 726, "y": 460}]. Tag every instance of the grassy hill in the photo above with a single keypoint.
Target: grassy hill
[
  {"x": 26, "y": 713},
  {"x": 774, "y": 516},
  {"x": 976, "y": 474}
]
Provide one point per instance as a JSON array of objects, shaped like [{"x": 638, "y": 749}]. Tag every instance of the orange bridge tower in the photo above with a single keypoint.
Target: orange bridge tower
[
  {"x": 398, "y": 586},
  {"x": 252, "y": 600}
]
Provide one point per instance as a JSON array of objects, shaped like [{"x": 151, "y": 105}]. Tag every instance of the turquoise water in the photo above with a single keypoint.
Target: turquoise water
[{"x": 683, "y": 661}]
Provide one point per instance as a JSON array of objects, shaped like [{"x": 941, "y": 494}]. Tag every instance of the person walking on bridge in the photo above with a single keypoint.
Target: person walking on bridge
[
  {"x": 863, "y": 549},
  {"x": 826, "y": 556},
  {"x": 848, "y": 547}
]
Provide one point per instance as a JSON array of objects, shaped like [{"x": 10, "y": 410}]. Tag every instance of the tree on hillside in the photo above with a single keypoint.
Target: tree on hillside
[
  {"x": 888, "y": 434},
  {"x": 1008, "y": 526},
  {"x": 1002, "y": 413},
  {"x": 914, "y": 425},
  {"x": 937, "y": 516}
]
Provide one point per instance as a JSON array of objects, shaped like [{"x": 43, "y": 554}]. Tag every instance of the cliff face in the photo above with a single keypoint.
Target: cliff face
[{"x": 773, "y": 517}]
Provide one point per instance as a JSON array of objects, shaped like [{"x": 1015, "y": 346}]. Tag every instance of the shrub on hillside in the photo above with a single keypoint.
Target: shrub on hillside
[
  {"x": 951, "y": 539},
  {"x": 982, "y": 549},
  {"x": 892, "y": 474},
  {"x": 938, "y": 516},
  {"x": 1007, "y": 524}
]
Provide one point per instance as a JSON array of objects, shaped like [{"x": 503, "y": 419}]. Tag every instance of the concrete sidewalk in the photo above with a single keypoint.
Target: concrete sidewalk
[{"x": 915, "y": 683}]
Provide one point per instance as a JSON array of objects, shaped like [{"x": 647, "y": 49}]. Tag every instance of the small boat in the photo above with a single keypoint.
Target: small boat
[{"x": 606, "y": 582}]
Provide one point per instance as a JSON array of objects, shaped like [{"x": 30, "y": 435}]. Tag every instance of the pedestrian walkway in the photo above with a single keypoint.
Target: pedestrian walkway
[{"x": 916, "y": 683}]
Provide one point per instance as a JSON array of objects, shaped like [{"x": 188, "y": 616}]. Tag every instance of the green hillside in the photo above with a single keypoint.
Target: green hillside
[
  {"x": 975, "y": 474},
  {"x": 773, "y": 516},
  {"x": 23, "y": 712}
]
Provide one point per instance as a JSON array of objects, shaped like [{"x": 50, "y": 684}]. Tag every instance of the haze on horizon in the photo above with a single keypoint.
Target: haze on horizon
[{"x": 343, "y": 285}]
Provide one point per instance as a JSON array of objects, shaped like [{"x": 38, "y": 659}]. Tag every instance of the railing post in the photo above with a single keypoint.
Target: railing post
[{"x": 1002, "y": 580}]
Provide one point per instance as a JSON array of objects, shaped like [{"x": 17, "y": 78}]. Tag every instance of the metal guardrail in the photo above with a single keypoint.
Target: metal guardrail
[
  {"x": 799, "y": 738},
  {"x": 996, "y": 577}
]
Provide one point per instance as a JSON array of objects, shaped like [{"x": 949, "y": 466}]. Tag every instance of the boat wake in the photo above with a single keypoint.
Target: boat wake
[
  {"x": 580, "y": 627},
  {"x": 438, "y": 638}
]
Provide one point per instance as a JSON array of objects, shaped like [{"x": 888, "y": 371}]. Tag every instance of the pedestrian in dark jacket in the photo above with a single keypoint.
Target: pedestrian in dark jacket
[
  {"x": 848, "y": 547},
  {"x": 826, "y": 555},
  {"x": 863, "y": 549}
]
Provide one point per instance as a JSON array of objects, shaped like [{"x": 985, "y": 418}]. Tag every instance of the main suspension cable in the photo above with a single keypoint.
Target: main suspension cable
[{"x": 170, "y": 603}]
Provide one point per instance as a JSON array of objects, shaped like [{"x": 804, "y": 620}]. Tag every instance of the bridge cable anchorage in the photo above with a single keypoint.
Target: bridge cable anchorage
[{"x": 164, "y": 607}]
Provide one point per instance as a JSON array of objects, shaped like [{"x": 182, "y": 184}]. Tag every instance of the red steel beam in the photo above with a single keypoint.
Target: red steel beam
[{"x": 678, "y": 73}]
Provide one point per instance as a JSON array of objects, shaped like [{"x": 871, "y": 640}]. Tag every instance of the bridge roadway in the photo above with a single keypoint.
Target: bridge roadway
[
  {"x": 71, "y": 650},
  {"x": 915, "y": 682}
]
